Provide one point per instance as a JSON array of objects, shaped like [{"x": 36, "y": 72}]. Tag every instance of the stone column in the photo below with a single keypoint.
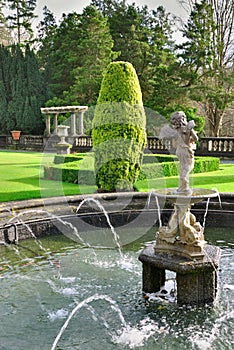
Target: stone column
[
  {"x": 153, "y": 278},
  {"x": 47, "y": 125},
  {"x": 81, "y": 123},
  {"x": 55, "y": 124},
  {"x": 198, "y": 288},
  {"x": 73, "y": 125}
]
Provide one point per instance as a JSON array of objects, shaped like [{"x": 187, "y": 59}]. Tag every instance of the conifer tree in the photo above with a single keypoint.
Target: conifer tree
[
  {"x": 22, "y": 91},
  {"x": 4, "y": 87},
  {"x": 21, "y": 17},
  {"x": 18, "y": 87},
  {"x": 94, "y": 53},
  {"x": 35, "y": 94}
]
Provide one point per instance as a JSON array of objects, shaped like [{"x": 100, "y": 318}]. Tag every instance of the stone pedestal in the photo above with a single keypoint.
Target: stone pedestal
[
  {"x": 153, "y": 278},
  {"x": 196, "y": 279},
  {"x": 63, "y": 148}
]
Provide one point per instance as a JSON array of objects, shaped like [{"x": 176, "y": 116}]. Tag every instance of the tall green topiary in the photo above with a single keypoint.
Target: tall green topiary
[{"x": 118, "y": 132}]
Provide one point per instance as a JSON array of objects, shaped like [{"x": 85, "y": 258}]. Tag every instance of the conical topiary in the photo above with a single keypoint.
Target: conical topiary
[{"x": 118, "y": 132}]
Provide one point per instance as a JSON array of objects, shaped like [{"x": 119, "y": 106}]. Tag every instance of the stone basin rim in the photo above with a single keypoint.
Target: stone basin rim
[{"x": 197, "y": 193}]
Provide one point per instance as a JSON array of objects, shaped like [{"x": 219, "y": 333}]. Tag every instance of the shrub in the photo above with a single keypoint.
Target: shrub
[
  {"x": 60, "y": 159},
  {"x": 154, "y": 158},
  {"x": 118, "y": 132},
  {"x": 155, "y": 170},
  {"x": 69, "y": 172},
  {"x": 152, "y": 170},
  {"x": 205, "y": 164},
  {"x": 82, "y": 171}
]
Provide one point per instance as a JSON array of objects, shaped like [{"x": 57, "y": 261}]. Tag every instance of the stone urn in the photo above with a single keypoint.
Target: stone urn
[
  {"x": 16, "y": 134},
  {"x": 63, "y": 147}
]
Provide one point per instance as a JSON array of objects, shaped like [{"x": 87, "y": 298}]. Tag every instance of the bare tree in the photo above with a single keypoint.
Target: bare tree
[
  {"x": 208, "y": 51},
  {"x": 5, "y": 34}
]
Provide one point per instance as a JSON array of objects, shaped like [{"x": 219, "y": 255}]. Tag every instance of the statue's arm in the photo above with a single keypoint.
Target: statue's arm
[{"x": 193, "y": 135}]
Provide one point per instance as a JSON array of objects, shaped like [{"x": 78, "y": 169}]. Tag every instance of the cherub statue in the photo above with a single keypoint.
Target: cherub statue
[{"x": 184, "y": 138}]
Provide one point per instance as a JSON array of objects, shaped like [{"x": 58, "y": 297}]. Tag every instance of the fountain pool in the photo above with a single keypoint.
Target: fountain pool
[{"x": 40, "y": 288}]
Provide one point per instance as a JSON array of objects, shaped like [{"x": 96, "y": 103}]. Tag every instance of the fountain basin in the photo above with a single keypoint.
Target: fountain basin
[
  {"x": 40, "y": 296},
  {"x": 197, "y": 195},
  {"x": 139, "y": 205}
]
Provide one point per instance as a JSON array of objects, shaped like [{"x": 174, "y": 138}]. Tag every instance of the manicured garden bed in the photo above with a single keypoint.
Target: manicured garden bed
[
  {"x": 80, "y": 169},
  {"x": 22, "y": 177}
]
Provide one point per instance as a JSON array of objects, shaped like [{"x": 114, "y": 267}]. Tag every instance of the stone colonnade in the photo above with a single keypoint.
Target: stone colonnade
[{"x": 74, "y": 110}]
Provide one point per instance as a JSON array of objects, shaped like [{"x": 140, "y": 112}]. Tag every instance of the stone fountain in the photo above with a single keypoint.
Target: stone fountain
[{"x": 180, "y": 245}]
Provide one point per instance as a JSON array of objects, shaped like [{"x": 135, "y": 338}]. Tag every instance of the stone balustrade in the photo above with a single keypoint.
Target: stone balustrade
[
  {"x": 216, "y": 146},
  {"x": 208, "y": 146}
]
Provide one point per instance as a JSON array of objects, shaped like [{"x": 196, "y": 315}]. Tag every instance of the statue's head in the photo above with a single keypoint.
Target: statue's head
[{"x": 178, "y": 119}]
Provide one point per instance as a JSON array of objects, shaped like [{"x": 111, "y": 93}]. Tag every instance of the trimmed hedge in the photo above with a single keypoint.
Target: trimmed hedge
[
  {"x": 118, "y": 132},
  {"x": 82, "y": 171},
  {"x": 69, "y": 172},
  {"x": 160, "y": 169},
  {"x": 206, "y": 164},
  {"x": 67, "y": 158},
  {"x": 161, "y": 158},
  {"x": 156, "y": 170}
]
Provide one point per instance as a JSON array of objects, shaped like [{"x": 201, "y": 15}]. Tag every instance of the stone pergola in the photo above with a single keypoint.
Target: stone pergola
[{"x": 74, "y": 110}]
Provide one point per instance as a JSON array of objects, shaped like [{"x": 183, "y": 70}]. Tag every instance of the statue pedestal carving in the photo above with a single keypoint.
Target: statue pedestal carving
[
  {"x": 182, "y": 236},
  {"x": 180, "y": 246},
  {"x": 196, "y": 279}
]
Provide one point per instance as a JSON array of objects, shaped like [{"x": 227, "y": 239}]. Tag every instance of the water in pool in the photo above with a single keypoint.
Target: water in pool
[{"x": 65, "y": 296}]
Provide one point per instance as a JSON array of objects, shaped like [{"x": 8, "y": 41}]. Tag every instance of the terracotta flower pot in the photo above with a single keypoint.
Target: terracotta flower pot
[{"x": 15, "y": 134}]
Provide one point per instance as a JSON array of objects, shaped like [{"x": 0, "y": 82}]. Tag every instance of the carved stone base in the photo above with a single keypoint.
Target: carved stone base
[
  {"x": 63, "y": 148},
  {"x": 183, "y": 234},
  {"x": 180, "y": 248},
  {"x": 196, "y": 279}
]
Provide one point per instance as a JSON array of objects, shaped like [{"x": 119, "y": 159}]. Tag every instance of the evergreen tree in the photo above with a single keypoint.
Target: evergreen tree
[
  {"x": 35, "y": 94},
  {"x": 46, "y": 29},
  {"x": 4, "y": 86},
  {"x": 58, "y": 54},
  {"x": 107, "y": 7},
  {"x": 94, "y": 53},
  {"x": 47, "y": 26},
  {"x": 74, "y": 56},
  {"x": 21, "y": 17},
  {"x": 18, "y": 89},
  {"x": 22, "y": 91},
  {"x": 142, "y": 37}
]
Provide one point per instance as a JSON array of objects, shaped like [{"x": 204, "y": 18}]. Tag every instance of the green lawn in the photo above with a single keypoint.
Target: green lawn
[
  {"x": 222, "y": 180},
  {"x": 21, "y": 177}
]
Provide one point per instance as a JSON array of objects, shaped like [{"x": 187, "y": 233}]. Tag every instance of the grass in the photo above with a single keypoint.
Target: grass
[
  {"x": 21, "y": 177},
  {"x": 222, "y": 180}
]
